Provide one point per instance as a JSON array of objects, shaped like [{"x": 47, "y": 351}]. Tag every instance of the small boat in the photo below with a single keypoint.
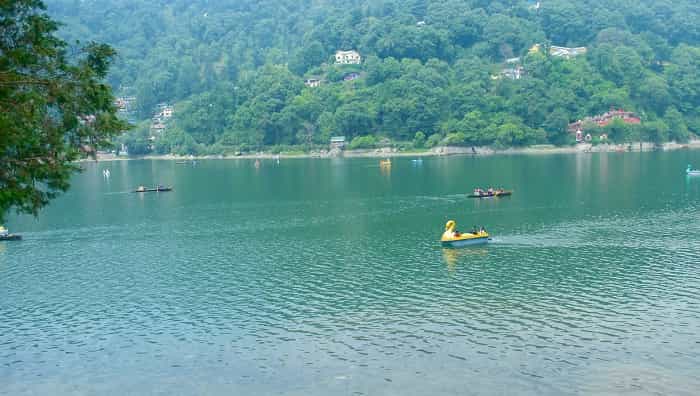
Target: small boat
[
  {"x": 180, "y": 162},
  {"x": 503, "y": 193},
  {"x": 385, "y": 163},
  {"x": 692, "y": 172},
  {"x": 6, "y": 236},
  {"x": 454, "y": 238},
  {"x": 142, "y": 189}
]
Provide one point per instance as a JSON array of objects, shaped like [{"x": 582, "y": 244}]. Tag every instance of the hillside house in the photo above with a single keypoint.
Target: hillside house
[
  {"x": 126, "y": 106},
  {"x": 125, "y": 102},
  {"x": 164, "y": 111},
  {"x": 513, "y": 73},
  {"x": 604, "y": 119},
  {"x": 351, "y": 76},
  {"x": 312, "y": 82},
  {"x": 351, "y": 57},
  {"x": 337, "y": 142},
  {"x": 567, "y": 52}
]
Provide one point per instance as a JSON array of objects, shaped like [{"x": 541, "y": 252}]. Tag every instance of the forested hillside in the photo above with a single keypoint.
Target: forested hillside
[{"x": 431, "y": 71}]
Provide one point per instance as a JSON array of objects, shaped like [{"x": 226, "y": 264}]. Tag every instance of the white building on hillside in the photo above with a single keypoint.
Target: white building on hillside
[
  {"x": 566, "y": 52},
  {"x": 351, "y": 57},
  {"x": 312, "y": 82}
]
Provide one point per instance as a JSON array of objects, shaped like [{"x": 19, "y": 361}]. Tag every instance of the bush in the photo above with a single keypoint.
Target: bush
[
  {"x": 363, "y": 142},
  {"x": 419, "y": 140},
  {"x": 433, "y": 140},
  {"x": 455, "y": 139}
]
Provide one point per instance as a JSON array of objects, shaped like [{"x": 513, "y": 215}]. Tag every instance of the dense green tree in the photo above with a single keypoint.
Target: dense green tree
[
  {"x": 656, "y": 131},
  {"x": 678, "y": 130},
  {"x": 54, "y": 106}
]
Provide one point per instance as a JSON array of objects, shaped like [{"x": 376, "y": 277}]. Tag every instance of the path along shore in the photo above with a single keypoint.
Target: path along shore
[{"x": 435, "y": 151}]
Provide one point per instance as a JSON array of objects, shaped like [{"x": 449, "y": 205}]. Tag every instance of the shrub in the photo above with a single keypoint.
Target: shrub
[
  {"x": 419, "y": 140},
  {"x": 455, "y": 139},
  {"x": 433, "y": 140},
  {"x": 363, "y": 142}
]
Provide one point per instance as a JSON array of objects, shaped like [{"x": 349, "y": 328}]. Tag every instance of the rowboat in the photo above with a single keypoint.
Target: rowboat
[
  {"x": 157, "y": 189},
  {"x": 453, "y": 238},
  {"x": 692, "y": 172},
  {"x": 6, "y": 236},
  {"x": 490, "y": 195}
]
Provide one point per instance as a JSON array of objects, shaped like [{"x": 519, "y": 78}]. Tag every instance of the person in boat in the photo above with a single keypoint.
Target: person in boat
[
  {"x": 482, "y": 230},
  {"x": 141, "y": 189},
  {"x": 474, "y": 231},
  {"x": 3, "y": 231},
  {"x": 490, "y": 191}
]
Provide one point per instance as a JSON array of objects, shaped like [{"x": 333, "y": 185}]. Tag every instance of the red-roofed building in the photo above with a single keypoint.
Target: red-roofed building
[{"x": 602, "y": 120}]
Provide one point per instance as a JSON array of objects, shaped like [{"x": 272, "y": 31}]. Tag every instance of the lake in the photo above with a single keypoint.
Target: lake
[{"x": 320, "y": 277}]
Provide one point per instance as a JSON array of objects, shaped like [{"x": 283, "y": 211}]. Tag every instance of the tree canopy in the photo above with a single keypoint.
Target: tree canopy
[
  {"x": 54, "y": 106},
  {"x": 460, "y": 70}
]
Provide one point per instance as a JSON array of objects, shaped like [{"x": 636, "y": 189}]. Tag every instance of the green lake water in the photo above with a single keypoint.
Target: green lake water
[{"x": 326, "y": 277}]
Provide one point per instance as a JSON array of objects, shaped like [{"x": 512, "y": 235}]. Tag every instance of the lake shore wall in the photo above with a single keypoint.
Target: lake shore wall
[{"x": 435, "y": 151}]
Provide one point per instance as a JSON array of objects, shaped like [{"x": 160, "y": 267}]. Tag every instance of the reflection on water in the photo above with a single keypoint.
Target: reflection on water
[{"x": 464, "y": 256}]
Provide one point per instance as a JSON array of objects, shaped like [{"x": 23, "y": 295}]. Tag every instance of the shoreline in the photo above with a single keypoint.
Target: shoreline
[{"x": 434, "y": 152}]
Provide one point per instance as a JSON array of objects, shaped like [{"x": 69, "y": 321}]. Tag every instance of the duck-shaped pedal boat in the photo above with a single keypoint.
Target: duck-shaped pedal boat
[
  {"x": 385, "y": 163},
  {"x": 454, "y": 238}
]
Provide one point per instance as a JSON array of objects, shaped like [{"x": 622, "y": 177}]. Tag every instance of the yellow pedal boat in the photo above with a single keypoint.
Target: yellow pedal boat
[
  {"x": 453, "y": 238},
  {"x": 385, "y": 163}
]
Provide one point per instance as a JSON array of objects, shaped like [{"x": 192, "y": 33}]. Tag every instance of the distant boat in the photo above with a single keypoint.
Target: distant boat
[
  {"x": 385, "y": 163},
  {"x": 417, "y": 161},
  {"x": 142, "y": 189},
  {"x": 503, "y": 193},
  {"x": 6, "y": 236},
  {"x": 692, "y": 172}
]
